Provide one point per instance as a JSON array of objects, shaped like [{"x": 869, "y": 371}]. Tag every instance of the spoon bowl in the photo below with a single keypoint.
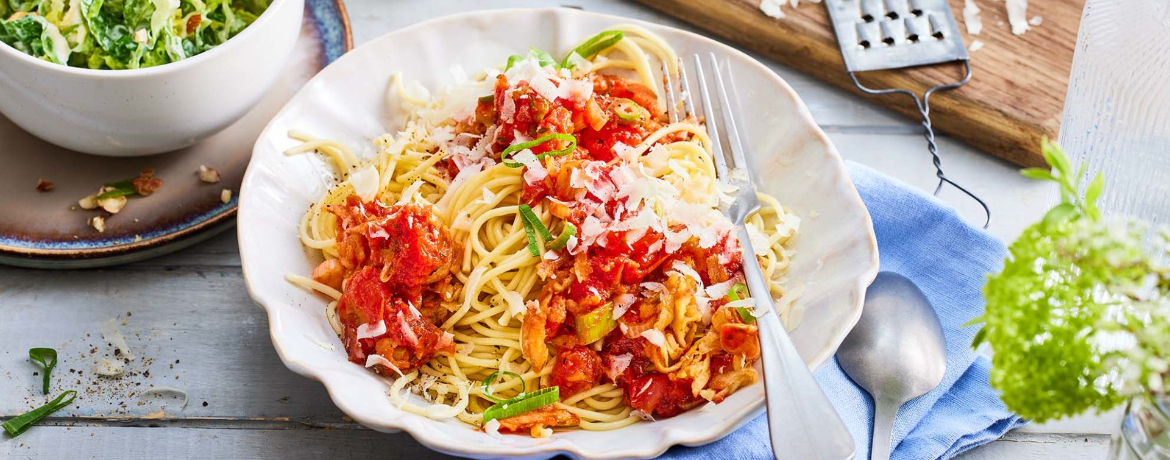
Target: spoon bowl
[{"x": 896, "y": 352}]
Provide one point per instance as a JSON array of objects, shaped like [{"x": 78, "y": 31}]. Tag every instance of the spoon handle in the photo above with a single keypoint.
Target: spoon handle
[
  {"x": 883, "y": 429},
  {"x": 802, "y": 423}
]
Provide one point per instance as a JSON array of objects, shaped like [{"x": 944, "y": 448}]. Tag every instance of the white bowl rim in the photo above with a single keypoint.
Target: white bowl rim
[
  {"x": 410, "y": 423},
  {"x": 172, "y": 67}
]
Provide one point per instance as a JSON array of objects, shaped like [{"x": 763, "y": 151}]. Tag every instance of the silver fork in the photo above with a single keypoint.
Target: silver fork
[{"x": 801, "y": 421}]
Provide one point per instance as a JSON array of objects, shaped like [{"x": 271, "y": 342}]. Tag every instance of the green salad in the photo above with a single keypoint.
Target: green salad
[{"x": 122, "y": 34}]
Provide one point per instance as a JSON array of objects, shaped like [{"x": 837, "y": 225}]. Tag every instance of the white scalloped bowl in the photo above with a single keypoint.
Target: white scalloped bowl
[{"x": 836, "y": 252}]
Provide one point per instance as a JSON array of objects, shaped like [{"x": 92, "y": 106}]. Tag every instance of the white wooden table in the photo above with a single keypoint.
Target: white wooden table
[{"x": 190, "y": 322}]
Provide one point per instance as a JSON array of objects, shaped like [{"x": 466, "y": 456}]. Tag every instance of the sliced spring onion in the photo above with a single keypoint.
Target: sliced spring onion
[
  {"x": 116, "y": 193},
  {"x": 594, "y": 325},
  {"x": 563, "y": 240},
  {"x": 533, "y": 143},
  {"x": 522, "y": 404},
  {"x": 48, "y": 358},
  {"x": 527, "y": 213},
  {"x": 628, "y": 111},
  {"x": 21, "y": 423},
  {"x": 512, "y": 60},
  {"x": 531, "y": 235},
  {"x": 491, "y": 379},
  {"x": 542, "y": 57},
  {"x": 594, "y": 45},
  {"x": 739, "y": 292}
]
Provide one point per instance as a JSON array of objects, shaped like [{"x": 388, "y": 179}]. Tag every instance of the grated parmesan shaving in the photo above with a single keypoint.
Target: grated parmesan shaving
[
  {"x": 492, "y": 428},
  {"x": 622, "y": 304},
  {"x": 366, "y": 332},
  {"x": 654, "y": 336},
  {"x": 373, "y": 360},
  {"x": 1017, "y": 11},
  {"x": 109, "y": 367},
  {"x": 117, "y": 340},
  {"x": 971, "y": 17},
  {"x": 365, "y": 182}
]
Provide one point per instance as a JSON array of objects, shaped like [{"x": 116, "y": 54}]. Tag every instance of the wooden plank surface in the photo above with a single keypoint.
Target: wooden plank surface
[
  {"x": 1014, "y": 99},
  {"x": 192, "y": 307}
]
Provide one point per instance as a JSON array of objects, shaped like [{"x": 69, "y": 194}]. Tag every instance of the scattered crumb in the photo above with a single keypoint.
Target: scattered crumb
[
  {"x": 137, "y": 238},
  {"x": 976, "y": 45},
  {"x": 98, "y": 223},
  {"x": 208, "y": 175},
  {"x": 44, "y": 185},
  {"x": 971, "y": 18},
  {"x": 225, "y": 196},
  {"x": 1036, "y": 20}
]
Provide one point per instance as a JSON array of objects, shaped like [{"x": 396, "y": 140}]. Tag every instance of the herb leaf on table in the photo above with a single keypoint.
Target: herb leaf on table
[{"x": 48, "y": 358}]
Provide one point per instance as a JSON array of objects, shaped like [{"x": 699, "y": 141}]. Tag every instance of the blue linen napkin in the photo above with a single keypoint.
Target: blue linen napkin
[{"x": 925, "y": 240}]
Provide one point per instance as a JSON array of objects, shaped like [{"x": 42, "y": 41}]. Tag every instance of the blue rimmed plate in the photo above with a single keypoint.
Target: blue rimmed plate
[{"x": 46, "y": 230}]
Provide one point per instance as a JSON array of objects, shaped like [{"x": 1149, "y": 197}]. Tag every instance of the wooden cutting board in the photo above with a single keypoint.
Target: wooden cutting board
[{"x": 1013, "y": 100}]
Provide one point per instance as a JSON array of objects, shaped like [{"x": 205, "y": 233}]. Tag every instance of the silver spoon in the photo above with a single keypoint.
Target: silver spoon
[{"x": 896, "y": 352}]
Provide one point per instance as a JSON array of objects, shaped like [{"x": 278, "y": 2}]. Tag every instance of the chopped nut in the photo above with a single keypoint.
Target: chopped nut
[
  {"x": 142, "y": 36},
  {"x": 225, "y": 196},
  {"x": 44, "y": 185},
  {"x": 112, "y": 204},
  {"x": 89, "y": 202},
  {"x": 147, "y": 185},
  {"x": 98, "y": 223},
  {"x": 208, "y": 175}
]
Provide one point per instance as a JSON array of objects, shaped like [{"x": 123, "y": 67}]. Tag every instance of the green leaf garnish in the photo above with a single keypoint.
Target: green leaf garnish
[
  {"x": 48, "y": 359},
  {"x": 21, "y": 423}
]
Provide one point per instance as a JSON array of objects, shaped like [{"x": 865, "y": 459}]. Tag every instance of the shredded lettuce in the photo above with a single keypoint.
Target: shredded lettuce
[{"x": 122, "y": 34}]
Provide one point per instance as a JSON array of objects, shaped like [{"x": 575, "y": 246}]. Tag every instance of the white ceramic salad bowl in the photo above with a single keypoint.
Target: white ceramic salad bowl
[
  {"x": 836, "y": 250},
  {"x": 152, "y": 110}
]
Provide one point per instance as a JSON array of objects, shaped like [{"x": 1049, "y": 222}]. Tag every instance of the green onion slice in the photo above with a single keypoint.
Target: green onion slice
[
  {"x": 512, "y": 60},
  {"x": 21, "y": 423},
  {"x": 594, "y": 325},
  {"x": 594, "y": 45},
  {"x": 527, "y": 213},
  {"x": 48, "y": 358},
  {"x": 116, "y": 193},
  {"x": 563, "y": 239},
  {"x": 491, "y": 379},
  {"x": 522, "y": 404},
  {"x": 533, "y": 143},
  {"x": 628, "y": 111},
  {"x": 739, "y": 292},
  {"x": 542, "y": 57},
  {"x": 530, "y": 233}
]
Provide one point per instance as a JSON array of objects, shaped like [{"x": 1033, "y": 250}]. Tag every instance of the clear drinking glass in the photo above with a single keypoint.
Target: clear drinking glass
[
  {"x": 1117, "y": 111},
  {"x": 1117, "y": 119}
]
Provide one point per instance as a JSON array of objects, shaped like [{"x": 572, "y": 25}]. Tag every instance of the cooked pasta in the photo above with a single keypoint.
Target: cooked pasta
[{"x": 539, "y": 236}]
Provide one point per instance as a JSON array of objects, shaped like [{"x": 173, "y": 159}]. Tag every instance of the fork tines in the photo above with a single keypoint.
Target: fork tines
[{"x": 680, "y": 106}]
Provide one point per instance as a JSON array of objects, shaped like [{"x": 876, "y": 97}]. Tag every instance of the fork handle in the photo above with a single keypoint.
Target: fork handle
[{"x": 801, "y": 421}]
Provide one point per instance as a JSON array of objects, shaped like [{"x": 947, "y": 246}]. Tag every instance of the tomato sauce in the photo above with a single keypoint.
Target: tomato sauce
[{"x": 397, "y": 262}]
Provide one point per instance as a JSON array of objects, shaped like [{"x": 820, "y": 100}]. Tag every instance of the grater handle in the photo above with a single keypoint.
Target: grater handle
[{"x": 923, "y": 106}]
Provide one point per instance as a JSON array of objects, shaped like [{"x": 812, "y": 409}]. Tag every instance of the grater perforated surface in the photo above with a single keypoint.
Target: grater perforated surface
[{"x": 891, "y": 34}]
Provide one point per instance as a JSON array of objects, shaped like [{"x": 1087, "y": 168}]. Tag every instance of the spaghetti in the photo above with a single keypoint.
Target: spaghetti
[{"x": 538, "y": 236}]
